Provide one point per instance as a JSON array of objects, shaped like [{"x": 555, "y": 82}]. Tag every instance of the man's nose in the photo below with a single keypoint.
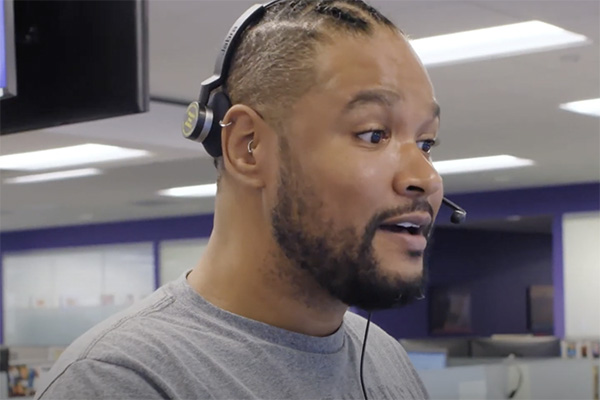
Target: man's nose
[{"x": 415, "y": 175}]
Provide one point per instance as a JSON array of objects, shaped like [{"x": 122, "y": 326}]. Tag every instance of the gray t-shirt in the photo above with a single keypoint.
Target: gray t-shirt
[{"x": 174, "y": 344}]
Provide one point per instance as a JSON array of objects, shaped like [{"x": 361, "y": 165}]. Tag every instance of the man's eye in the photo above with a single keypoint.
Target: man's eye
[
  {"x": 426, "y": 145},
  {"x": 374, "y": 136}
]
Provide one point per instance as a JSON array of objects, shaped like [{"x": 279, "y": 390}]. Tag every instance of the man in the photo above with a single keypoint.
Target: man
[{"x": 326, "y": 198}]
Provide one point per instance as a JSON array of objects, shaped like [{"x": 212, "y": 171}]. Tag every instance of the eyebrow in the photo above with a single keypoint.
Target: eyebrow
[
  {"x": 383, "y": 97},
  {"x": 386, "y": 98}
]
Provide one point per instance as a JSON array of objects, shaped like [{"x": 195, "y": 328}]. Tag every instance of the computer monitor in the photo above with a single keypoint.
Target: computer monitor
[
  {"x": 533, "y": 347},
  {"x": 8, "y": 81},
  {"x": 3, "y": 359},
  {"x": 76, "y": 61},
  {"x": 454, "y": 347},
  {"x": 425, "y": 360}
]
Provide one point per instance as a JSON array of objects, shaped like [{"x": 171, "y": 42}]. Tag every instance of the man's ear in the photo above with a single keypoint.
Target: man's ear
[{"x": 247, "y": 131}]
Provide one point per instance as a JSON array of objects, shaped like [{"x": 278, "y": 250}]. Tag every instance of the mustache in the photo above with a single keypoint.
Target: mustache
[{"x": 419, "y": 205}]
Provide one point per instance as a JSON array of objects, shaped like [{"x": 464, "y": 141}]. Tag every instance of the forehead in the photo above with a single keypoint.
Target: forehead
[{"x": 385, "y": 59}]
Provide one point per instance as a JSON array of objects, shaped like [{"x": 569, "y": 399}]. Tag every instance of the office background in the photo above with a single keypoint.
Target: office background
[
  {"x": 74, "y": 251},
  {"x": 112, "y": 238},
  {"x": 498, "y": 266}
]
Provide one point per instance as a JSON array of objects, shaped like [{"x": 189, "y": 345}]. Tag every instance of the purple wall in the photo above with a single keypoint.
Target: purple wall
[
  {"x": 497, "y": 268},
  {"x": 110, "y": 233},
  {"x": 557, "y": 273},
  {"x": 552, "y": 201}
]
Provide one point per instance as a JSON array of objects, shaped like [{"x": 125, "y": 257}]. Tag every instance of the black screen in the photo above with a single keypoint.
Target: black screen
[{"x": 77, "y": 61}]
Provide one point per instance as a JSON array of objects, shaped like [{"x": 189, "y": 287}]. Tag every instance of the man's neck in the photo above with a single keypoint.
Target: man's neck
[{"x": 250, "y": 280}]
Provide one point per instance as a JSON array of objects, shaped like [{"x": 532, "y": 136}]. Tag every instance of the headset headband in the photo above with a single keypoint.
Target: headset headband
[{"x": 251, "y": 15}]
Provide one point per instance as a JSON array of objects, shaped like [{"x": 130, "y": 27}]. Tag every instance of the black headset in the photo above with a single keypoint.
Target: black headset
[{"x": 202, "y": 118}]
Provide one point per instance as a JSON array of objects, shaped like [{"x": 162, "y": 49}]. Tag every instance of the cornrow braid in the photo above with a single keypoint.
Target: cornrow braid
[{"x": 353, "y": 13}]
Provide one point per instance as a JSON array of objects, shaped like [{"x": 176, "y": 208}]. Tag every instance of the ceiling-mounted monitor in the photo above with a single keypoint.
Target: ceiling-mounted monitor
[
  {"x": 76, "y": 61},
  {"x": 8, "y": 80}
]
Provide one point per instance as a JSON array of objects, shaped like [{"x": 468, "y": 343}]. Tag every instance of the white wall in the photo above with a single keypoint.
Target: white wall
[
  {"x": 178, "y": 256},
  {"x": 53, "y": 296},
  {"x": 581, "y": 269}
]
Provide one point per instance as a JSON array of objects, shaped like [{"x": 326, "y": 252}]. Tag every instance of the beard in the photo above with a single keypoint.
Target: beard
[{"x": 341, "y": 261}]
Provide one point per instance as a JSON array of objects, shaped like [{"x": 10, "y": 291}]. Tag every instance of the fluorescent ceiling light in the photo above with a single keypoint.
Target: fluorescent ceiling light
[
  {"x": 67, "y": 157},
  {"x": 497, "y": 41},
  {"x": 208, "y": 190},
  {"x": 54, "y": 176},
  {"x": 588, "y": 107},
  {"x": 480, "y": 164}
]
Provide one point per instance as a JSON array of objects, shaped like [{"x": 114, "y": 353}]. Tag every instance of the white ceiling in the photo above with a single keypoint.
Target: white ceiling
[{"x": 501, "y": 106}]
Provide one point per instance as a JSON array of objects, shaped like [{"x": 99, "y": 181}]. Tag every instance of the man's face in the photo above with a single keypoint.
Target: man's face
[{"x": 357, "y": 191}]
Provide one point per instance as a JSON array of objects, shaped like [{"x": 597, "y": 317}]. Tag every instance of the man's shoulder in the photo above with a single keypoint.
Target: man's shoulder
[
  {"x": 116, "y": 344},
  {"x": 124, "y": 338},
  {"x": 354, "y": 323},
  {"x": 388, "y": 357},
  {"x": 383, "y": 342},
  {"x": 357, "y": 324}
]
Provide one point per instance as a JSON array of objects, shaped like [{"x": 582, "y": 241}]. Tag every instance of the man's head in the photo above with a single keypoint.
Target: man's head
[{"x": 342, "y": 116}]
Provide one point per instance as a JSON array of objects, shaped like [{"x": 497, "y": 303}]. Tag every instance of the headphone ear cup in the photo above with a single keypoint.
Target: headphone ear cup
[
  {"x": 196, "y": 122},
  {"x": 219, "y": 103}
]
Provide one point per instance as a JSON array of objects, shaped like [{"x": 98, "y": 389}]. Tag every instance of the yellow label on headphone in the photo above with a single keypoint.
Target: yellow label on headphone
[{"x": 191, "y": 117}]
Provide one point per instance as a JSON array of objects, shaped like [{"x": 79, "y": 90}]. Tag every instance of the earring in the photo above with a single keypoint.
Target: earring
[
  {"x": 250, "y": 146},
  {"x": 223, "y": 125}
]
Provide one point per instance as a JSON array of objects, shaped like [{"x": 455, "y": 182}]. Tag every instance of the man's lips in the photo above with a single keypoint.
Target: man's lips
[
  {"x": 412, "y": 229},
  {"x": 418, "y": 223}
]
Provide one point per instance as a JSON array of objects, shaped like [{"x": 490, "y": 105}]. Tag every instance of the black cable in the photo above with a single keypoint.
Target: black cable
[
  {"x": 513, "y": 393},
  {"x": 362, "y": 357},
  {"x": 511, "y": 363}
]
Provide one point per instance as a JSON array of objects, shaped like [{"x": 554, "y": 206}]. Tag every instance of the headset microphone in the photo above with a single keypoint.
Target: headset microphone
[{"x": 459, "y": 215}]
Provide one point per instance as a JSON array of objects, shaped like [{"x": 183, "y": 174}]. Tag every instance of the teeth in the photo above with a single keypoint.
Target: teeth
[{"x": 408, "y": 225}]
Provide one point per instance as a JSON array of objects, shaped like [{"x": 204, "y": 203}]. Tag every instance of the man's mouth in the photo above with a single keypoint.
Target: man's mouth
[
  {"x": 413, "y": 224},
  {"x": 411, "y": 229},
  {"x": 403, "y": 227}
]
